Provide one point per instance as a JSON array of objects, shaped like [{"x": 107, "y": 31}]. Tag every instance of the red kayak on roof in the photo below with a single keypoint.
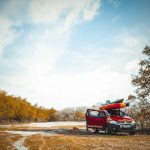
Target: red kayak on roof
[{"x": 113, "y": 106}]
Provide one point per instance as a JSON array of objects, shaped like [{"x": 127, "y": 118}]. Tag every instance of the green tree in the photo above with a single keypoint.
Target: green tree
[{"x": 142, "y": 82}]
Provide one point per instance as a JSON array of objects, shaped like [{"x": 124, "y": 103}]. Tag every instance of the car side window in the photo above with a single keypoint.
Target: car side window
[
  {"x": 101, "y": 114},
  {"x": 93, "y": 113}
]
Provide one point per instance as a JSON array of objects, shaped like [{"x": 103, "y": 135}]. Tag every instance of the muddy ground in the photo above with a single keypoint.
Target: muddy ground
[{"x": 71, "y": 137}]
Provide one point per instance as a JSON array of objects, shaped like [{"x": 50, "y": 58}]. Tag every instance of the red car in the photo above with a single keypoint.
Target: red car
[{"x": 111, "y": 121}]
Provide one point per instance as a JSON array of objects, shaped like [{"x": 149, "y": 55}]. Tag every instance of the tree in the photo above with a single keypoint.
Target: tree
[
  {"x": 142, "y": 82},
  {"x": 18, "y": 109}
]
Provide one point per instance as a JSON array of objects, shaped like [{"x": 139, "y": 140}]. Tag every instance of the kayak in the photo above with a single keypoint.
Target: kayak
[
  {"x": 116, "y": 101},
  {"x": 114, "y": 106}
]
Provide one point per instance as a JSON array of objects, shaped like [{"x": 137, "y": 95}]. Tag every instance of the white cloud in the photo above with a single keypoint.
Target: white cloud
[
  {"x": 56, "y": 20},
  {"x": 115, "y": 3},
  {"x": 58, "y": 16},
  {"x": 67, "y": 12},
  {"x": 115, "y": 19},
  {"x": 63, "y": 90},
  {"x": 7, "y": 34},
  {"x": 51, "y": 26},
  {"x": 91, "y": 9},
  {"x": 130, "y": 38},
  {"x": 132, "y": 67}
]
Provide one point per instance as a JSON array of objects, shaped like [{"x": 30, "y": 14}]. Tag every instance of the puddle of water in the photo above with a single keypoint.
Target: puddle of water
[
  {"x": 19, "y": 144},
  {"x": 52, "y": 124},
  {"x": 29, "y": 133},
  {"x": 47, "y": 124},
  {"x": 5, "y": 126}
]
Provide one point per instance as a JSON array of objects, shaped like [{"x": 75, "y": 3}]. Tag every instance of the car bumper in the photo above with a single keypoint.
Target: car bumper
[{"x": 122, "y": 127}]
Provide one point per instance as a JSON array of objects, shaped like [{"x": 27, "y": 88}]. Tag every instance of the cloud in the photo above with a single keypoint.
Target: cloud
[
  {"x": 45, "y": 28},
  {"x": 91, "y": 10},
  {"x": 132, "y": 66},
  {"x": 115, "y": 19},
  {"x": 70, "y": 12},
  {"x": 130, "y": 37},
  {"x": 65, "y": 90},
  {"x": 115, "y": 3},
  {"x": 7, "y": 33},
  {"x": 58, "y": 17},
  {"x": 44, "y": 24}
]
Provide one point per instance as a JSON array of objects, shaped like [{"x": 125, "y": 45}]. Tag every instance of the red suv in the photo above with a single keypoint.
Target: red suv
[{"x": 111, "y": 121}]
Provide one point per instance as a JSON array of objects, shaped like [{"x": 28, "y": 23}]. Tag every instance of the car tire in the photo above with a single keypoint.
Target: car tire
[
  {"x": 87, "y": 129},
  {"x": 96, "y": 130},
  {"x": 132, "y": 133},
  {"x": 107, "y": 130}
]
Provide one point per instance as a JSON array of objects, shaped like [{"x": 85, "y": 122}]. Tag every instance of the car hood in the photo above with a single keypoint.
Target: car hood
[{"x": 120, "y": 119}]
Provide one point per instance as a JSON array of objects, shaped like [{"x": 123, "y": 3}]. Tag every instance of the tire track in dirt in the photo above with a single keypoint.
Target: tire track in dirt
[
  {"x": 19, "y": 144},
  {"x": 43, "y": 143}
]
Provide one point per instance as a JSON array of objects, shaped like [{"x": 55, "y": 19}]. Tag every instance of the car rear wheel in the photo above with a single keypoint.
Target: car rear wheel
[{"x": 87, "y": 129}]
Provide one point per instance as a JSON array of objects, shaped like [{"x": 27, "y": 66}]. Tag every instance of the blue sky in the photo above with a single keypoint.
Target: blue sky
[{"x": 67, "y": 53}]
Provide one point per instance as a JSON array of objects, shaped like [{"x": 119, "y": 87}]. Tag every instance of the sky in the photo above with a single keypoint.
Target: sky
[{"x": 70, "y": 53}]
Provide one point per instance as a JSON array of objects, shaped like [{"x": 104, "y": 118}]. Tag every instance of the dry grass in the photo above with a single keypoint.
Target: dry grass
[
  {"x": 24, "y": 128},
  {"x": 6, "y": 140},
  {"x": 85, "y": 142},
  {"x": 68, "y": 139}
]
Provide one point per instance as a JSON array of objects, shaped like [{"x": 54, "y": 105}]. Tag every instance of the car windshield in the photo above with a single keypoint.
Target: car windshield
[
  {"x": 107, "y": 113},
  {"x": 116, "y": 112},
  {"x": 122, "y": 113}
]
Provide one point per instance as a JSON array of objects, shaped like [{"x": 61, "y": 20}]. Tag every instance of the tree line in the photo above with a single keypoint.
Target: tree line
[{"x": 17, "y": 109}]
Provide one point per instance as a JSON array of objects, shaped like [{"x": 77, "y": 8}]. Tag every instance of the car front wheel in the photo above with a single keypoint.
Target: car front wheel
[
  {"x": 107, "y": 130},
  {"x": 132, "y": 132}
]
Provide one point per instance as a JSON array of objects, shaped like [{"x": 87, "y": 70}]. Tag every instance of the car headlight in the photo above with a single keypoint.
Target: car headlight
[{"x": 113, "y": 122}]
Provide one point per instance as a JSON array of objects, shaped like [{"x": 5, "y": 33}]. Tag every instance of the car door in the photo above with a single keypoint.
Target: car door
[
  {"x": 101, "y": 119},
  {"x": 92, "y": 118}
]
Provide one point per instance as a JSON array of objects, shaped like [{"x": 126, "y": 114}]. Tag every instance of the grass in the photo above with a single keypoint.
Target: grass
[
  {"x": 85, "y": 142},
  {"x": 7, "y": 140}
]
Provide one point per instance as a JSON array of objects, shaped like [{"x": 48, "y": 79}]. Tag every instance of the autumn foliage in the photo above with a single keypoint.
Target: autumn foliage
[
  {"x": 17, "y": 109},
  {"x": 141, "y": 107}
]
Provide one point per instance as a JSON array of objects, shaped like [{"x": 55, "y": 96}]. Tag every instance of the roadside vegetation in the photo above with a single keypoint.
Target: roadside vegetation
[
  {"x": 16, "y": 109},
  {"x": 140, "y": 108}
]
